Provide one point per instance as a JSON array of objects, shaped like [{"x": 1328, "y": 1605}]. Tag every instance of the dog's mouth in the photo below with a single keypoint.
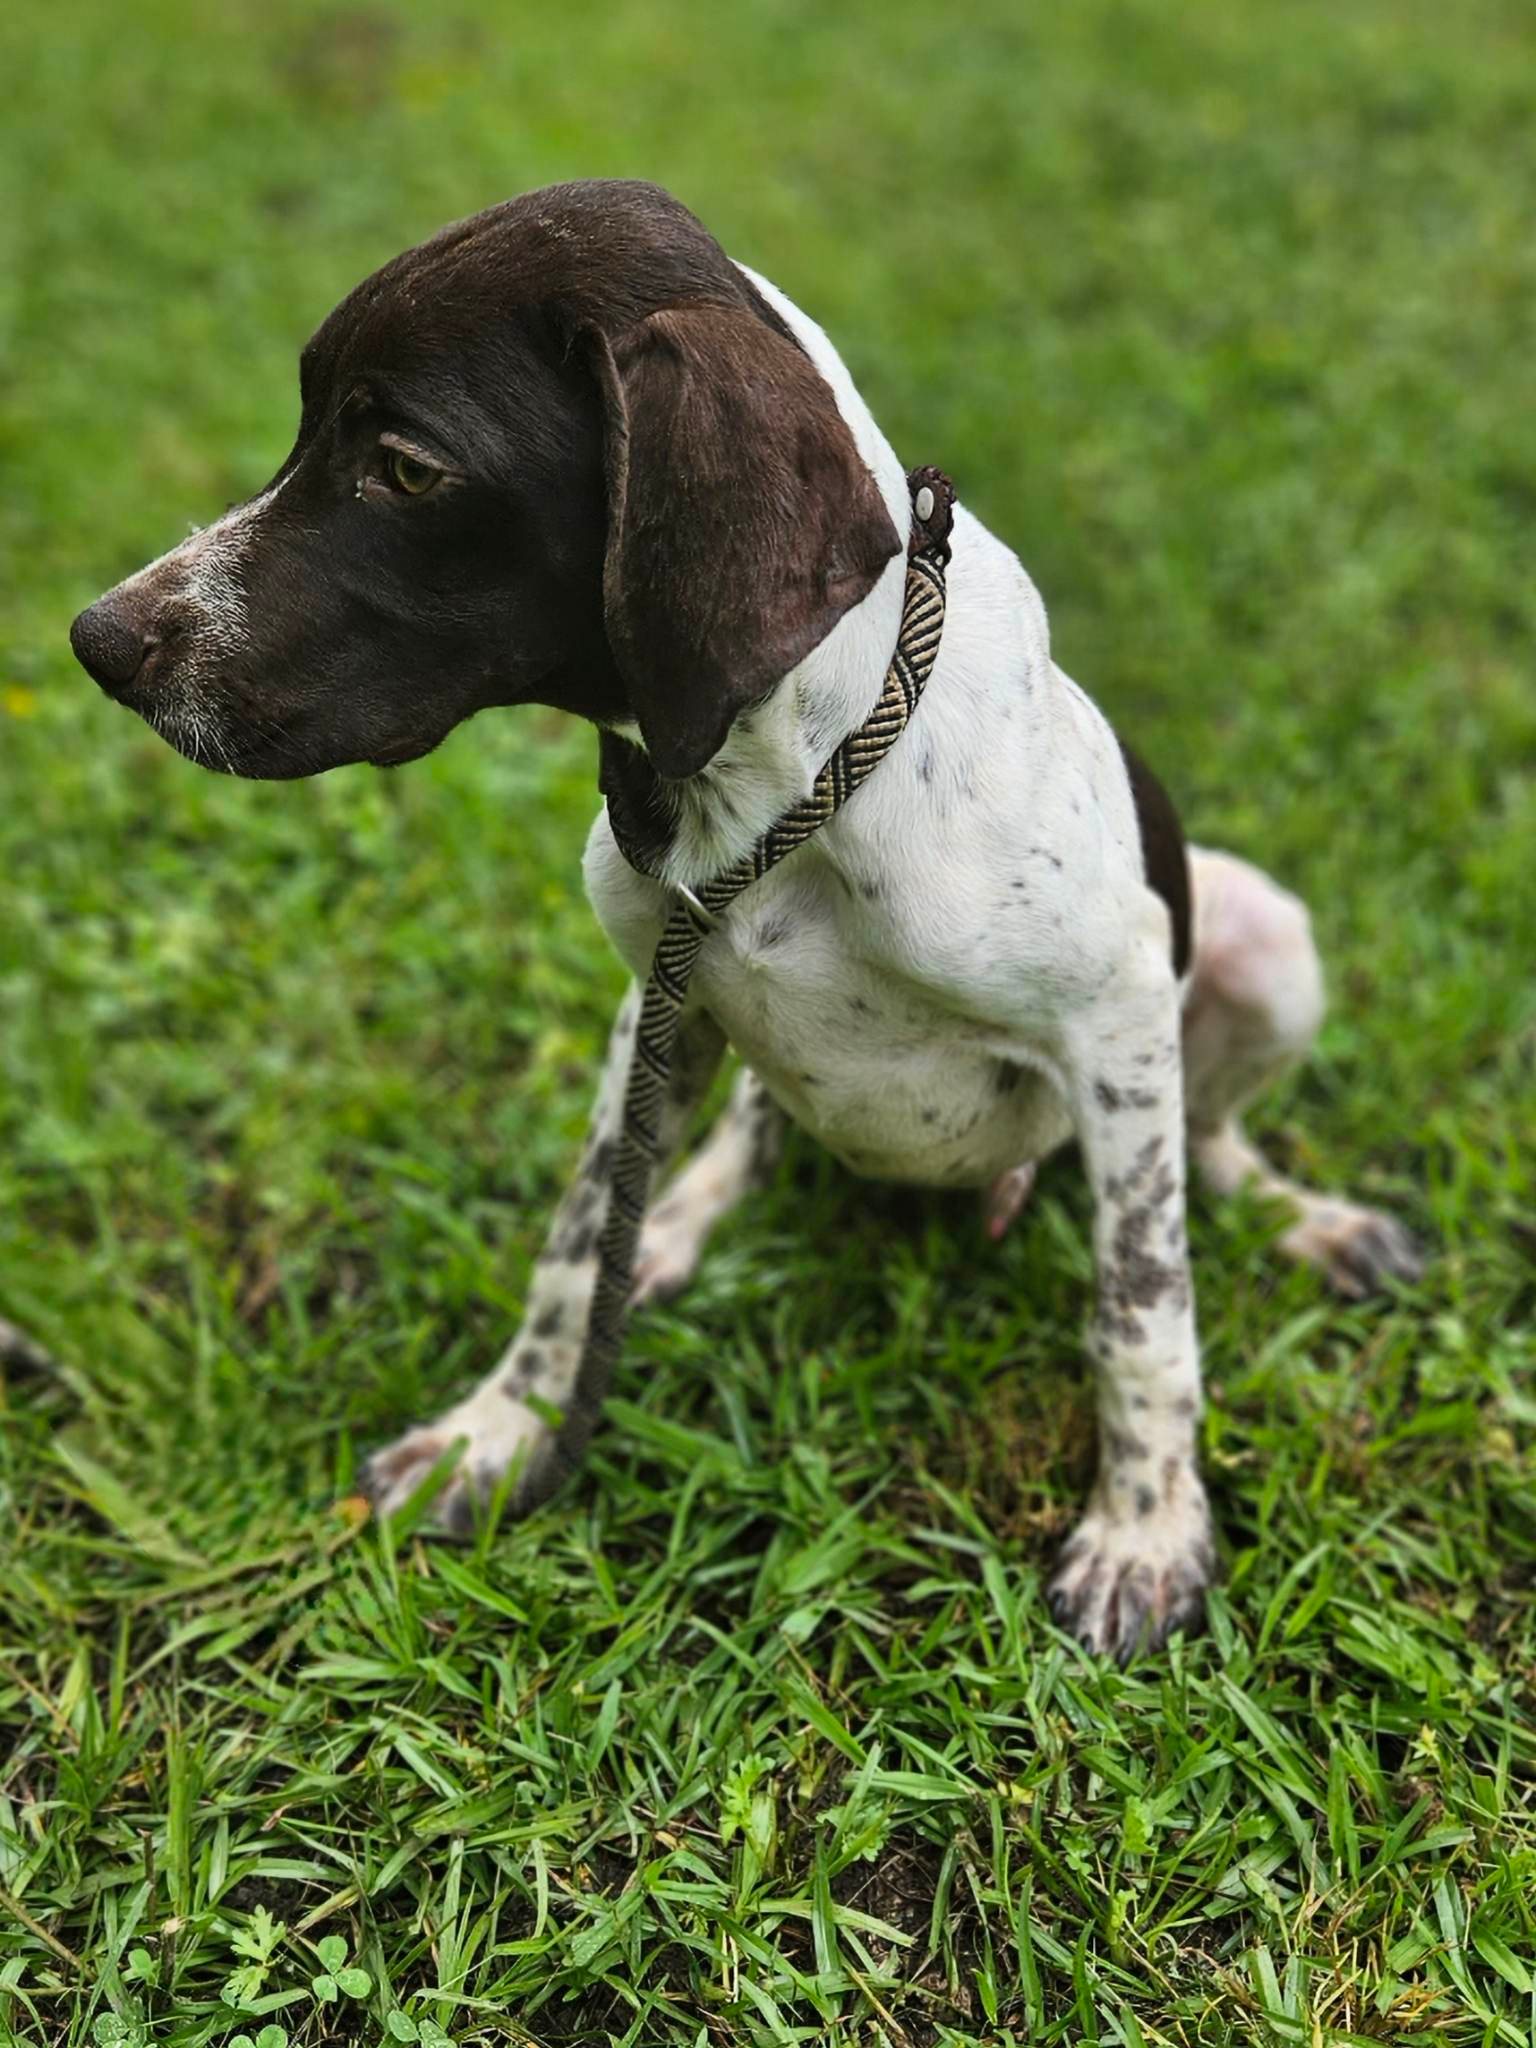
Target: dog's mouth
[
  {"x": 194, "y": 729},
  {"x": 215, "y": 730},
  {"x": 199, "y": 716}
]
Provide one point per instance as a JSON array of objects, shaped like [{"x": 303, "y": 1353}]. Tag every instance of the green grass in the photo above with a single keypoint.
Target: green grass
[{"x": 761, "y": 1733}]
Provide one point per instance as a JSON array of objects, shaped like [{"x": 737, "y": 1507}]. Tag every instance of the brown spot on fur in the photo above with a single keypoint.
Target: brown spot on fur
[
  {"x": 1118, "y": 1188},
  {"x": 1133, "y": 1278},
  {"x": 1123, "y": 1447},
  {"x": 1111, "y": 1098}
]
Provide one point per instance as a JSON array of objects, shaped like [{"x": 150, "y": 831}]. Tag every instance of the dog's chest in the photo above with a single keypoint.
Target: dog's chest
[{"x": 893, "y": 1078}]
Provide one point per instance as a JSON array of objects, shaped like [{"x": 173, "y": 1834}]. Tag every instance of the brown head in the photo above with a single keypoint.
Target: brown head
[{"x": 562, "y": 453}]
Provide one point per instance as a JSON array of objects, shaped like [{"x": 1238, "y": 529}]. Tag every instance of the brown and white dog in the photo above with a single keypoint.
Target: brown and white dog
[{"x": 568, "y": 453}]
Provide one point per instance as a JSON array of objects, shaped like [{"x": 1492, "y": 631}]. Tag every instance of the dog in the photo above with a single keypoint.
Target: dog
[{"x": 568, "y": 453}]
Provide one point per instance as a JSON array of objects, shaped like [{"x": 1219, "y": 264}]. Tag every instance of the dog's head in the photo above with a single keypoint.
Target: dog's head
[{"x": 562, "y": 453}]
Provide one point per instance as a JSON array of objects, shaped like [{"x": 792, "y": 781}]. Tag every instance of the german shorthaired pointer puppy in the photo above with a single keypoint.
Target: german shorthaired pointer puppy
[{"x": 567, "y": 453}]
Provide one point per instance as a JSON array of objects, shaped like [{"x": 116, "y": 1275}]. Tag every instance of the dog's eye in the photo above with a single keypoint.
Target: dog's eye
[{"x": 407, "y": 474}]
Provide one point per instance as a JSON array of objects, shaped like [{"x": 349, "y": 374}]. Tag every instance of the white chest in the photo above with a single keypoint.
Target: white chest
[{"x": 897, "y": 1080}]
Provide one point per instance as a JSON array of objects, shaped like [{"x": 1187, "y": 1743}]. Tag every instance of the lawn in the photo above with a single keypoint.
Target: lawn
[{"x": 760, "y": 1733}]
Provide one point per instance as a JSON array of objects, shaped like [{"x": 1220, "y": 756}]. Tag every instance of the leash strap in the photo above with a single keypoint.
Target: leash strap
[{"x": 695, "y": 916}]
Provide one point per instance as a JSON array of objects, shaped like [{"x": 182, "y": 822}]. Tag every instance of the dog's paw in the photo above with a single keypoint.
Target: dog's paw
[
  {"x": 1358, "y": 1251},
  {"x": 1124, "y": 1583},
  {"x": 498, "y": 1432}
]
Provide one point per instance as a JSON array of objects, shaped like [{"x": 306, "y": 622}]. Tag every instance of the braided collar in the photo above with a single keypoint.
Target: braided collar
[{"x": 635, "y": 813}]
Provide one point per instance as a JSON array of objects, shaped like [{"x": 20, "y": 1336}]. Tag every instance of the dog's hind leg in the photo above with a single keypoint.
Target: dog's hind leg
[
  {"x": 738, "y": 1156},
  {"x": 1254, "y": 1005},
  {"x": 506, "y": 1419}
]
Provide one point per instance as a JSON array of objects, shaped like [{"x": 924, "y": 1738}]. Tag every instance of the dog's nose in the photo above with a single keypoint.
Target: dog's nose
[{"x": 110, "y": 644}]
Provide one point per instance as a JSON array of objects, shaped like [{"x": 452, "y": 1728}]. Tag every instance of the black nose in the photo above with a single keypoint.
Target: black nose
[{"x": 109, "y": 645}]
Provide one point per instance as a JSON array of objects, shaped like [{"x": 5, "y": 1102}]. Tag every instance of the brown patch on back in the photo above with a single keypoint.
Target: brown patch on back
[{"x": 1164, "y": 857}]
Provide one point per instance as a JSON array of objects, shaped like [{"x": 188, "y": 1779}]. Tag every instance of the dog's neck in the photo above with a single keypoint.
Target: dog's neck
[{"x": 773, "y": 752}]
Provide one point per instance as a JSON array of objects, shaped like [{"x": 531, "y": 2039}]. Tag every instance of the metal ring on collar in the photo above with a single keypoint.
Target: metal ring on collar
[{"x": 707, "y": 916}]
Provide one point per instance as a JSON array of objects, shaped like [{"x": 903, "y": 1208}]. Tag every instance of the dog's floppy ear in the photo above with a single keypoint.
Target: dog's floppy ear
[{"x": 742, "y": 523}]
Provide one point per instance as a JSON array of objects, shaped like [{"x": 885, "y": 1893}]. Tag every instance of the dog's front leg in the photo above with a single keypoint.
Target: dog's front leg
[
  {"x": 526, "y": 1413},
  {"x": 1138, "y": 1563},
  {"x": 738, "y": 1156}
]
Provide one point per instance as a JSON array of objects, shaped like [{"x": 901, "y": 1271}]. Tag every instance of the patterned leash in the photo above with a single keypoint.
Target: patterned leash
[{"x": 695, "y": 916}]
